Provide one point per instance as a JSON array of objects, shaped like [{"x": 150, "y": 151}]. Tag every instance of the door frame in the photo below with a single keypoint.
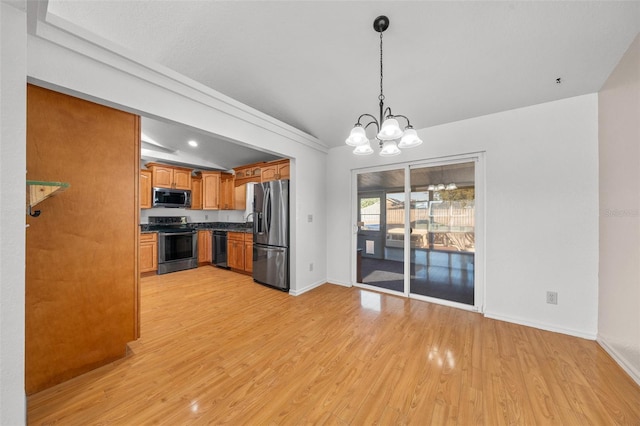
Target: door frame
[
  {"x": 480, "y": 255},
  {"x": 354, "y": 222}
]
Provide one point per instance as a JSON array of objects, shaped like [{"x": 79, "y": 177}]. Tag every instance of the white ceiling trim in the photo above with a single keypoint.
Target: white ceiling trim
[{"x": 63, "y": 33}]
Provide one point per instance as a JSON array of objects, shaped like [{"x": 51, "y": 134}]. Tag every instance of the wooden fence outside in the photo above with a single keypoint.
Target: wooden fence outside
[{"x": 447, "y": 214}]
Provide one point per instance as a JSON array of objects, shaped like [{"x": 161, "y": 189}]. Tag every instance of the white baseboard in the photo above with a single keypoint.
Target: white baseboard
[
  {"x": 541, "y": 326},
  {"x": 622, "y": 362},
  {"x": 340, "y": 283},
  {"x": 307, "y": 288}
]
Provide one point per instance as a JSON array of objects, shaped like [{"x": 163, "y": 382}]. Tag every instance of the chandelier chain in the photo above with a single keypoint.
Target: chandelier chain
[{"x": 381, "y": 97}]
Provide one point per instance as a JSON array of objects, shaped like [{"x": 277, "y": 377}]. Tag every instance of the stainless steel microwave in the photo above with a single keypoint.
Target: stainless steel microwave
[{"x": 164, "y": 197}]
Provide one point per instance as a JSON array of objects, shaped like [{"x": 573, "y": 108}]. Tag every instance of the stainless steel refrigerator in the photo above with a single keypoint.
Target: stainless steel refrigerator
[{"x": 271, "y": 234}]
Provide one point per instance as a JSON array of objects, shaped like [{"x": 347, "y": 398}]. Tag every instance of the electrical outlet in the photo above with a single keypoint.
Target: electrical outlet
[
  {"x": 309, "y": 218},
  {"x": 206, "y": 217},
  {"x": 311, "y": 267},
  {"x": 552, "y": 297}
]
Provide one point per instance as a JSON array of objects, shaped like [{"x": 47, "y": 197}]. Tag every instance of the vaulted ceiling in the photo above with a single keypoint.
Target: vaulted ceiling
[{"x": 315, "y": 64}]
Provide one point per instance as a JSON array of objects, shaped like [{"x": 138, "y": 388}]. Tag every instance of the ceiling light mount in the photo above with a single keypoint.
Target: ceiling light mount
[
  {"x": 381, "y": 23},
  {"x": 389, "y": 135}
]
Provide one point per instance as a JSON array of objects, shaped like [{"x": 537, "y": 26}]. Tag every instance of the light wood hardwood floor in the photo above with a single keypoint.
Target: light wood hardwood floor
[{"x": 217, "y": 348}]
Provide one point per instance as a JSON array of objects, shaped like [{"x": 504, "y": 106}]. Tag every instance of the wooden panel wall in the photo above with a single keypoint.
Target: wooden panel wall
[{"x": 81, "y": 256}]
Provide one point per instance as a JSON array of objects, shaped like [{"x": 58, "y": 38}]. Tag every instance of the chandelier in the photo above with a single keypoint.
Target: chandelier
[{"x": 389, "y": 134}]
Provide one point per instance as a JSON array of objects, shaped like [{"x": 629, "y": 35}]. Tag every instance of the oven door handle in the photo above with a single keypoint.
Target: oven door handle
[{"x": 177, "y": 233}]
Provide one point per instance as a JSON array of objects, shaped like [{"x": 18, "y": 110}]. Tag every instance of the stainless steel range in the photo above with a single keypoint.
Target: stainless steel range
[{"x": 177, "y": 243}]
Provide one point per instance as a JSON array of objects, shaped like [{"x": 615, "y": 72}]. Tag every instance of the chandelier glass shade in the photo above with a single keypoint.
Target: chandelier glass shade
[
  {"x": 390, "y": 130},
  {"x": 357, "y": 137},
  {"x": 363, "y": 149},
  {"x": 389, "y": 149},
  {"x": 409, "y": 139},
  {"x": 390, "y": 136}
]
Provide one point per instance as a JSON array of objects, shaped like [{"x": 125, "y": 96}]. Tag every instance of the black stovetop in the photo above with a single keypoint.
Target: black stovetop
[{"x": 169, "y": 224}]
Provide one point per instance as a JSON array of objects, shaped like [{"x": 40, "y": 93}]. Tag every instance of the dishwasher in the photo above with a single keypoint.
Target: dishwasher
[{"x": 219, "y": 247}]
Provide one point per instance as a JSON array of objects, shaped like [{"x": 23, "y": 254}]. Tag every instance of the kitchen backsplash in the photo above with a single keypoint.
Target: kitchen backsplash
[{"x": 196, "y": 216}]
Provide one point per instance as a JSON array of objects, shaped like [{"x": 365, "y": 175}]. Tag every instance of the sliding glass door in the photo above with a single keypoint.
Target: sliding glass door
[
  {"x": 381, "y": 230},
  {"x": 416, "y": 231},
  {"x": 443, "y": 232}
]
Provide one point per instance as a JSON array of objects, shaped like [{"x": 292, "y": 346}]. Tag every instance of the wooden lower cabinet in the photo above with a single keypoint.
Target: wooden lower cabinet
[
  {"x": 235, "y": 250},
  {"x": 248, "y": 253},
  {"x": 204, "y": 246},
  {"x": 240, "y": 251},
  {"x": 148, "y": 252}
]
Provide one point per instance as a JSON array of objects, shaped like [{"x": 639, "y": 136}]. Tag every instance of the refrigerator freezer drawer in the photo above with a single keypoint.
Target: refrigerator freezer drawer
[{"x": 271, "y": 266}]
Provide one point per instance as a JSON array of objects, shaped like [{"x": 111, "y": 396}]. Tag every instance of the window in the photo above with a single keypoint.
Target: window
[{"x": 370, "y": 214}]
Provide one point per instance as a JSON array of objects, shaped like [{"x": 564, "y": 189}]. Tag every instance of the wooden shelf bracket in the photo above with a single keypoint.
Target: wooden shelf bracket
[{"x": 38, "y": 191}]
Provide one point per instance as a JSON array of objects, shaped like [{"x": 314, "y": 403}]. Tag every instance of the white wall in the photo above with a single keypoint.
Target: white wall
[
  {"x": 13, "y": 65},
  {"x": 115, "y": 77},
  {"x": 310, "y": 232},
  {"x": 619, "y": 135},
  {"x": 541, "y": 209}
]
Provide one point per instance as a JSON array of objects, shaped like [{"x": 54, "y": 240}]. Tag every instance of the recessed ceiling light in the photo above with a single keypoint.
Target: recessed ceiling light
[{"x": 193, "y": 143}]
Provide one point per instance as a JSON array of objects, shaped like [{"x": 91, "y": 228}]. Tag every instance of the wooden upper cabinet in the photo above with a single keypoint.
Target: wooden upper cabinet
[
  {"x": 247, "y": 174},
  {"x": 269, "y": 173},
  {"x": 284, "y": 170},
  {"x": 210, "y": 190},
  {"x": 145, "y": 189},
  {"x": 182, "y": 178},
  {"x": 275, "y": 170},
  {"x": 240, "y": 197},
  {"x": 241, "y": 172},
  {"x": 196, "y": 192},
  {"x": 226, "y": 191},
  {"x": 255, "y": 171},
  {"x": 164, "y": 176}
]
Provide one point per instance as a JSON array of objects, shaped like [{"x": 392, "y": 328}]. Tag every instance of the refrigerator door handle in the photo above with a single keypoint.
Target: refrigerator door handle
[{"x": 269, "y": 212}]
